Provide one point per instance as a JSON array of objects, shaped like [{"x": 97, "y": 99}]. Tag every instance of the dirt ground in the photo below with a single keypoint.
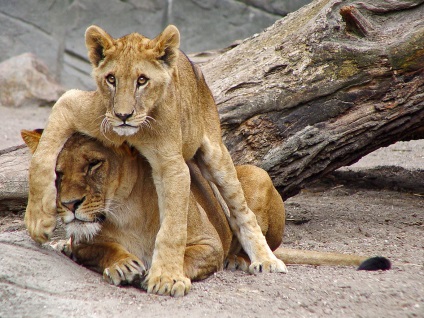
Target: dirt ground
[{"x": 336, "y": 215}]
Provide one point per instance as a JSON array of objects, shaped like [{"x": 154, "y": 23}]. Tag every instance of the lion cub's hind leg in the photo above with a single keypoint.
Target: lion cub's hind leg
[{"x": 217, "y": 166}]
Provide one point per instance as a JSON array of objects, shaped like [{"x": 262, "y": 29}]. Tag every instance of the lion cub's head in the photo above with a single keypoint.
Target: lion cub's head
[
  {"x": 89, "y": 179},
  {"x": 132, "y": 74}
]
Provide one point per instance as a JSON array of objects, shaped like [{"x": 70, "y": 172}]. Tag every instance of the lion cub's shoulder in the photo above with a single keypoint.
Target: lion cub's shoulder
[
  {"x": 76, "y": 93},
  {"x": 77, "y": 99}
]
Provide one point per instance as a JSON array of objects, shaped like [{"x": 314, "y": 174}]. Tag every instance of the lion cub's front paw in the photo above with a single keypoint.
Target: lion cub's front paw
[
  {"x": 40, "y": 225},
  {"x": 129, "y": 270},
  {"x": 40, "y": 216},
  {"x": 268, "y": 266},
  {"x": 161, "y": 283}
]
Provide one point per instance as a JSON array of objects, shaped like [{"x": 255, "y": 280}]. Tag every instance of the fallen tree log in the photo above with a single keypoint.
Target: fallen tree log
[
  {"x": 14, "y": 163},
  {"x": 322, "y": 87},
  {"x": 318, "y": 90}
]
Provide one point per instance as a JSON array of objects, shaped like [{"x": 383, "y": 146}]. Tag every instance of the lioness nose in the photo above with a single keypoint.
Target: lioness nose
[
  {"x": 74, "y": 204},
  {"x": 124, "y": 117}
]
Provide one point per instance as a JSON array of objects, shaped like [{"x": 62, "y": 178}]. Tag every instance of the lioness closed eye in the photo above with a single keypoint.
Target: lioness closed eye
[
  {"x": 149, "y": 95},
  {"x": 108, "y": 202}
]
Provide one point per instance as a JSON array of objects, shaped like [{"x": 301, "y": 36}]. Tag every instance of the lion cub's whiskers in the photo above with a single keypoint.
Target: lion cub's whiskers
[
  {"x": 104, "y": 127},
  {"x": 150, "y": 118},
  {"x": 146, "y": 122}
]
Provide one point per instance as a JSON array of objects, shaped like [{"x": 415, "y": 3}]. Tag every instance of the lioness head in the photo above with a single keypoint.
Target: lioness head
[
  {"x": 89, "y": 179},
  {"x": 132, "y": 73}
]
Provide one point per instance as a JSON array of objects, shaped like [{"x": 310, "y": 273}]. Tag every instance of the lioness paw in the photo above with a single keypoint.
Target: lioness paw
[
  {"x": 270, "y": 266},
  {"x": 173, "y": 285},
  {"x": 63, "y": 246},
  {"x": 235, "y": 262},
  {"x": 129, "y": 270}
]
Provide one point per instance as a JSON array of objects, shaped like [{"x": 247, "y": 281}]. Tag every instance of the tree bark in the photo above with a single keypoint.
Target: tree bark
[
  {"x": 14, "y": 163},
  {"x": 318, "y": 90},
  {"x": 322, "y": 87}
]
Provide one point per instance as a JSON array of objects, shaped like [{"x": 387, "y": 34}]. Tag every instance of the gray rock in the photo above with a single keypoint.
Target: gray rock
[
  {"x": 54, "y": 30},
  {"x": 25, "y": 80},
  {"x": 277, "y": 6},
  {"x": 37, "y": 27}
]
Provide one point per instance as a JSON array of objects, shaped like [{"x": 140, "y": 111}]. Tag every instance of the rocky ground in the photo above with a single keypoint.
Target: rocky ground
[{"x": 356, "y": 210}]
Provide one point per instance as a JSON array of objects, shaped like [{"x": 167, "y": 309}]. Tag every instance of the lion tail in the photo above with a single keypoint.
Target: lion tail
[{"x": 294, "y": 256}]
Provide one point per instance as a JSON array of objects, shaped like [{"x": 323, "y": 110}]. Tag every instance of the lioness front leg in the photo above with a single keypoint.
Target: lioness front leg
[
  {"x": 217, "y": 166},
  {"x": 118, "y": 266},
  {"x": 172, "y": 180}
]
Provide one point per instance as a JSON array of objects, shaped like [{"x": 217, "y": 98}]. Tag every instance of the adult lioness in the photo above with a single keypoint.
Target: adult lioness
[
  {"x": 149, "y": 95},
  {"x": 108, "y": 202}
]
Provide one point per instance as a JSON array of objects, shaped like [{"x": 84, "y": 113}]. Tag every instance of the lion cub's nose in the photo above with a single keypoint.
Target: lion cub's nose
[
  {"x": 74, "y": 204},
  {"x": 124, "y": 117}
]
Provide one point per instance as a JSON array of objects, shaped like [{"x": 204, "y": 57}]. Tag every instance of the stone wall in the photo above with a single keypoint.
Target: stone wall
[{"x": 54, "y": 30}]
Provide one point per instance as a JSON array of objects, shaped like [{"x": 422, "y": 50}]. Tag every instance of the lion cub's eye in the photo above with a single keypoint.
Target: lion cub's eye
[
  {"x": 111, "y": 79},
  {"x": 93, "y": 165},
  {"x": 142, "y": 80}
]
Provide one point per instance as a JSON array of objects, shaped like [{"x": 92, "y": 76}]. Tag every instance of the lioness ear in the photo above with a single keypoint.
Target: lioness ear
[
  {"x": 97, "y": 42},
  {"x": 166, "y": 44},
  {"x": 31, "y": 138}
]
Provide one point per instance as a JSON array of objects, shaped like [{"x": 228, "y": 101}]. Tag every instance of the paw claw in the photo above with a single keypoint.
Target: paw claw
[
  {"x": 269, "y": 266},
  {"x": 167, "y": 284},
  {"x": 63, "y": 246},
  {"x": 125, "y": 272},
  {"x": 179, "y": 289}
]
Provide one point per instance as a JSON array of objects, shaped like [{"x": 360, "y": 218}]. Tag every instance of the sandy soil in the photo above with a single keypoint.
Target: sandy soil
[{"x": 337, "y": 215}]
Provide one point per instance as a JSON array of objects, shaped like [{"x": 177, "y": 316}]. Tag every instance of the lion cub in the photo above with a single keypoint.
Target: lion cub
[{"x": 150, "y": 95}]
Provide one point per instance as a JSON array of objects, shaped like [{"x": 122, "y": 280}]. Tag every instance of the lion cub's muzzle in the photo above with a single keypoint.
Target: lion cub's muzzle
[
  {"x": 124, "y": 126},
  {"x": 124, "y": 117}
]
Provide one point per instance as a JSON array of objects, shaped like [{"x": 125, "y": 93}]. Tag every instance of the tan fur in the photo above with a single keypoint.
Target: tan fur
[
  {"x": 151, "y": 96},
  {"x": 96, "y": 181}
]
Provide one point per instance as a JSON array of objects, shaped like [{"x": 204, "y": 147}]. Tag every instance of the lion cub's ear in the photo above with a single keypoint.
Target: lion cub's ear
[
  {"x": 166, "y": 45},
  {"x": 31, "y": 138},
  {"x": 97, "y": 42}
]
